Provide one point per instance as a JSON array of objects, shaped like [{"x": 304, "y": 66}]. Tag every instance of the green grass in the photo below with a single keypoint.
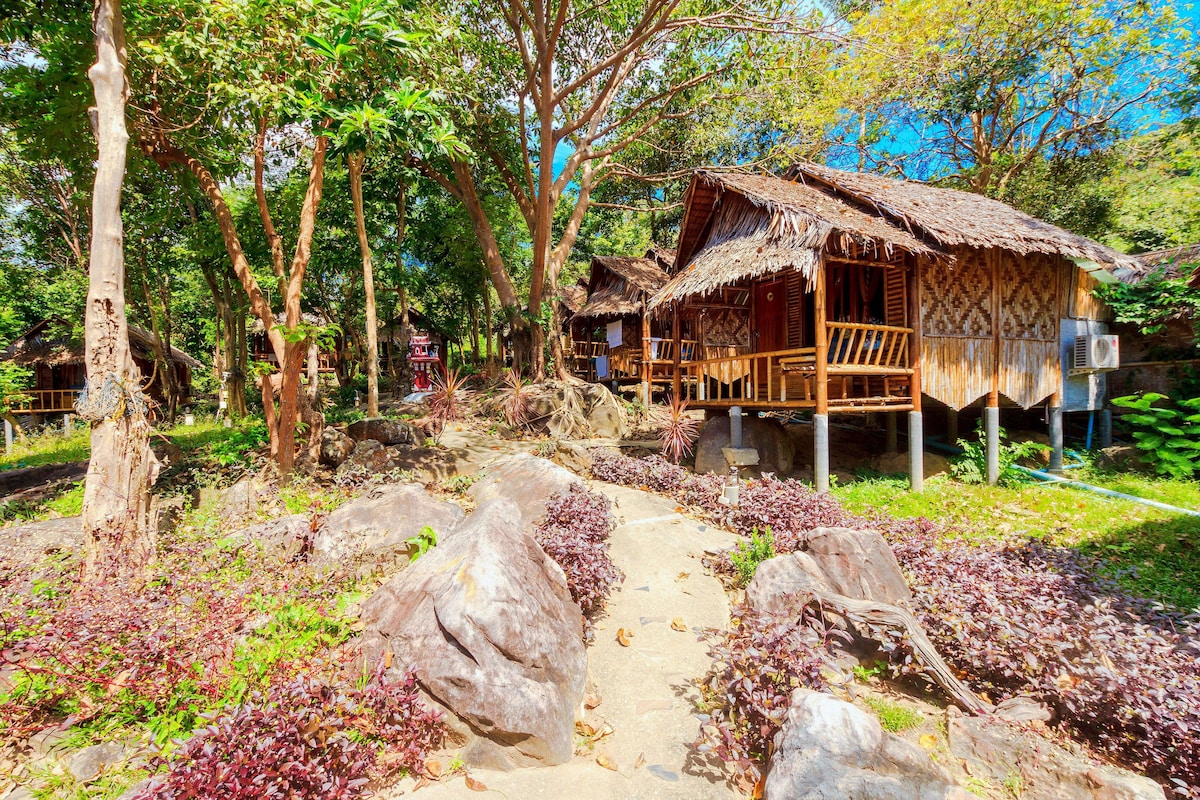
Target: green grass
[
  {"x": 1152, "y": 553},
  {"x": 49, "y": 447},
  {"x": 893, "y": 718}
]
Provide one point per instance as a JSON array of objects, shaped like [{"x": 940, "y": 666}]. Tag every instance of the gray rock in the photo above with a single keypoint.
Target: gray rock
[
  {"x": 87, "y": 764},
  {"x": 246, "y": 501},
  {"x": 829, "y": 749},
  {"x": 19, "y": 793},
  {"x": 530, "y": 482},
  {"x": 384, "y": 431},
  {"x": 853, "y": 563},
  {"x": 487, "y": 624},
  {"x": 284, "y": 534},
  {"x": 368, "y": 456},
  {"x": 428, "y": 464},
  {"x": 336, "y": 447},
  {"x": 27, "y": 544},
  {"x": 378, "y": 525},
  {"x": 573, "y": 457},
  {"x": 776, "y": 453},
  {"x": 1001, "y": 751},
  {"x": 48, "y": 740},
  {"x": 607, "y": 422}
]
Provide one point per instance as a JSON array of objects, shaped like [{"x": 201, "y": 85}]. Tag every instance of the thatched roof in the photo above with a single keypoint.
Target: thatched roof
[
  {"x": 744, "y": 226},
  {"x": 753, "y": 225},
  {"x": 1171, "y": 261},
  {"x": 949, "y": 217},
  {"x": 619, "y": 284},
  {"x": 40, "y": 346},
  {"x": 572, "y": 297}
]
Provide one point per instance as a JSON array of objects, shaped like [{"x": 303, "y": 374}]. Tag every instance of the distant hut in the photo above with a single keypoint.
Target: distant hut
[
  {"x": 846, "y": 293},
  {"x": 60, "y": 371},
  {"x": 613, "y": 339},
  {"x": 259, "y": 344},
  {"x": 1164, "y": 361}
]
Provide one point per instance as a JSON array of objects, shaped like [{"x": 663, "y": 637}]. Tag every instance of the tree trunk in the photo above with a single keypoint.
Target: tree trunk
[
  {"x": 264, "y": 211},
  {"x": 119, "y": 532},
  {"x": 406, "y": 373},
  {"x": 355, "y": 161},
  {"x": 160, "y": 343},
  {"x": 487, "y": 318}
]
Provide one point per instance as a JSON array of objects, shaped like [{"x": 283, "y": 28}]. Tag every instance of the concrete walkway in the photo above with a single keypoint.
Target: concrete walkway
[{"x": 647, "y": 690}]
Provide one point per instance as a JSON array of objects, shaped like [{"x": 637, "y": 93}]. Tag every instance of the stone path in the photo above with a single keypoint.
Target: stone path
[{"x": 647, "y": 689}]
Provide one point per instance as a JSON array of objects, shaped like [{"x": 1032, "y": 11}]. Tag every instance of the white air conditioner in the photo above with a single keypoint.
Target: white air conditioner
[{"x": 1096, "y": 353}]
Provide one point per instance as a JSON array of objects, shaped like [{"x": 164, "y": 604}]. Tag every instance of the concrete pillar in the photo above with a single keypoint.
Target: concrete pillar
[
  {"x": 66, "y": 424},
  {"x": 735, "y": 427},
  {"x": 1105, "y": 431},
  {"x": 991, "y": 436},
  {"x": 916, "y": 451},
  {"x": 8, "y": 437},
  {"x": 821, "y": 452},
  {"x": 890, "y": 417},
  {"x": 1056, "y": 439},
  {"x": 951, "y": 426}
]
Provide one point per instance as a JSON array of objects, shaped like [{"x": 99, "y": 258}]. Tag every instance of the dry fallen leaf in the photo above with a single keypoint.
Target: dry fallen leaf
[
  {"x": 683, "y": 576},
  {"x": 433, "y": 767},
  {"x": 584, "y": 729},
  {"x": 679, "y": 509},
  {"x": 623, "y": 637},
  {"x": 591, "y": 701},
  {"x": 677, "y": 625},
  {"x": 607, "y": 730},
  {"x": 387, "y": 660},
  {"x": 641, "y": 761},
  {"x": 475, "y": 786},
  {"x": 929, "y": 741},
  {"x": 759, "y": 787},
  {"x": 606, "y": 762}
]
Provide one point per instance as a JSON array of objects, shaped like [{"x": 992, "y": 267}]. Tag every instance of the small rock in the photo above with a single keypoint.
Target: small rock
[
  {"x": 87, "y": 764},
  {"x": 336, "y": 447},
  {"x": 829, "y": 749},
  {"x": 530, "y": 482},
  {"x": 49, "y": 740},
  {"x": 245, "y": 501},
  {"x": 858, "y": 564},
  {"x": 368, "y": 455},
  {"x": 573, "y": 457},
  {"x": 384, "y": 431},
  {"x": 284, "y": 534},
  {"x": 27, "y": 544},
  {"x": 19, "y": 793}
]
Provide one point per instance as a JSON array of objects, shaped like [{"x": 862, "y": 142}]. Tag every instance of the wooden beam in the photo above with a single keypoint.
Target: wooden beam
[
  {"x": 676, "y": 344},
  {"x": 822, "y": 345}
]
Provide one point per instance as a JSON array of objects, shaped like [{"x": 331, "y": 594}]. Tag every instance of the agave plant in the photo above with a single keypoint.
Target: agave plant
[
  {"x": 448, "y": 400},
  {"x": 679, "y": 431},
  {"x": 515, "y": 400}
]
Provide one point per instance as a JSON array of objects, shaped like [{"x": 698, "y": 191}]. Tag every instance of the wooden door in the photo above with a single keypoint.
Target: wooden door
[{"x": 770, "y": 330}]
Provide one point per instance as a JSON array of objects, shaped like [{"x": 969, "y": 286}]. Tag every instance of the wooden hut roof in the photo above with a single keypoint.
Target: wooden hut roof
[
  {"x": 1169, "y": 261},
  {"x": 572, "y": 297},
  {"x": 950, "y": 217},
  {"x": 767, "y": 225},
  {"x": 39, "y": 345},
  {"x": 640, "y": 276}
]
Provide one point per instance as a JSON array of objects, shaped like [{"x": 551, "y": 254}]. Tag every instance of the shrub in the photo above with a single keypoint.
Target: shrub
[
  {"x": 239, "y": 448},
  {"x": 1168, "y": 434},
  {"x": 971, "y": 466},
  {"x": 749, "y": 555},
  {"x": 757, "y": 664},
  {"x": 678, "y": 431},
  {"x": 788, "y": 508},
  {"x": 303, "y": 739},
  {"x": 516, "y": 401},
  {"x": 575, "y": 534}
]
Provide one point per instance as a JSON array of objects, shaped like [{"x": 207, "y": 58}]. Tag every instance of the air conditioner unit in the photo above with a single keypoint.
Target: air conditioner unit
[{"x": 1096, "y": 353}]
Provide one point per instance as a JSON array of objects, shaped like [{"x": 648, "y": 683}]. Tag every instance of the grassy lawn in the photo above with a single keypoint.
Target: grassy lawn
[{"x": 1153, "y": 553}]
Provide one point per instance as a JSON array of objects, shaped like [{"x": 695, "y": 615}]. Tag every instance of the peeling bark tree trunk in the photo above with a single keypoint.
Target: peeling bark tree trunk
[
  {"x": 118, "y": 530},
  {"x": 355, "y": 161}
]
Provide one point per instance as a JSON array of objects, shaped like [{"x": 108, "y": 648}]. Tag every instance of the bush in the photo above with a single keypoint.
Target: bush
[
  {"x": 1169, "y": 435},
  {"x": 749, "y": 555},
  {"x": 971, "y": 466},
  {"x": 575, "y": 534},
  {"x": 303, "y": 739}
]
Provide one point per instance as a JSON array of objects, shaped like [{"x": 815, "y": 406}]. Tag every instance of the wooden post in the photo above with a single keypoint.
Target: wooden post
[
  {"x": 916, "y": 428},
  {"x": 821, "y": 417},
  {"x": 991, "y": 433},
  {"x": 645, "y": 354},
  {"x": 1056, "y": 433},
  {"x": 676, "y": 345}
]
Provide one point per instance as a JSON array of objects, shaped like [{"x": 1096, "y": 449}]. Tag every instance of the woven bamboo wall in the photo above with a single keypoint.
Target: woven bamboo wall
[
  {"x": 1030, "y": 370},
  {"x": 1083, "y": 301},
  {"x": 957, "y": 352},
  {"x": 724, "y": 327},
  {"x": 956, "y": 371},
  {"x": 1028, "y": 297}
]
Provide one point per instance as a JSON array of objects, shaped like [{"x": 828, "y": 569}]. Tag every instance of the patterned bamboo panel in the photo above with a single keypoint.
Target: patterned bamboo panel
[
  {"x": 895, "y": 298},
  {"x": 956, "y": 371},
  {"x": 727, "y": 327},
  {"x": 956, "y": 299},
  {"x": 1029, "y": 370},
  {"x": 1028, "y": 297}
]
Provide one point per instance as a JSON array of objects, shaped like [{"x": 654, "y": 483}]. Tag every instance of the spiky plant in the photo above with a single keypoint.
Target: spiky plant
[
  {"x": 448, "y": 400},
  {"x": 678, "y": 431},
  {"x": 515, "y": 400}
]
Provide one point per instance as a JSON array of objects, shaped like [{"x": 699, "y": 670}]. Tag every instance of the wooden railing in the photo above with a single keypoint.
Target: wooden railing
[
  {"x": 584, "y": 355},
  {"x": 855, "y": 345},
  {"x": 39, "y": 401}
]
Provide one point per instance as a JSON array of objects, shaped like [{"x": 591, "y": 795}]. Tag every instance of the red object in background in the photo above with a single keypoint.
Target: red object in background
[{"x": 422, "y": 354}]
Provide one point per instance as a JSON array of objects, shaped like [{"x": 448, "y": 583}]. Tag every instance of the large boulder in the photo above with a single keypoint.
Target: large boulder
[
  {"x": 384, "y": 431},
  {"x": 28, "y": 543},
  {"x": 530, "y": 482},
  {"x": 487, "y": 624},
  {"x": 244, "y": 502},
  {"x": 853, "y": 563},
  {"x": 829, "y": 749},
  {"x": 776, "y": 453},
  {"x": 336, "y": 447},
  {"x": 285, "y": 535},
  {"x": 998, "y": 750},
  {"x": 367, "y": 456},
  {"x": 378, "y": 525}
]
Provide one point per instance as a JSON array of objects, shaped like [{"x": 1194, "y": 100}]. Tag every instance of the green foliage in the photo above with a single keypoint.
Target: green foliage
[
  {"x": 749, "y": 555},
  {"x": 240, "y": 447},
  {"x": 893, "y": 717},
  {"x": 971, "y": 466},
  {"x": 425, "y": 539},
  {"x": 1153, "y": 302},
  {"x": 1168, "y": 435},
  {"x": 14, "y": 379}
]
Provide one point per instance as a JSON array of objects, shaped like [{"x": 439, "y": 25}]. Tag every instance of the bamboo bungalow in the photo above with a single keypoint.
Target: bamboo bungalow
[
  {"x": 846, "y": 293},
  {"x": 612, "y": 338},
  {"x": 60, "y": 371}
]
